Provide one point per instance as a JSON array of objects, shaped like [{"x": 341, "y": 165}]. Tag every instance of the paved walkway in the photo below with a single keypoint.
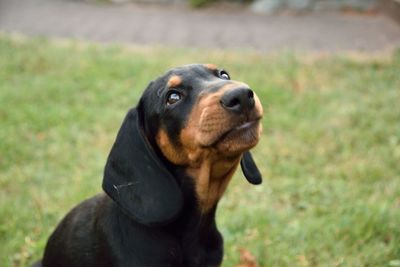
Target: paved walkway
[{"x": 182, "y": 27}]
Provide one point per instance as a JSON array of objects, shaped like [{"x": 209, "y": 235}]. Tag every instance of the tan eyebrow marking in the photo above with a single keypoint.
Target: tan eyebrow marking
[
  {"x": 211, "y": 66},
  {"x": 174, "y": 81}
]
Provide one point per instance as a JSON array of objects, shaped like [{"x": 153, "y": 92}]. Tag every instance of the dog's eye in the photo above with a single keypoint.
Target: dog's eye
[
  {"x": 224, "y": 75},
  {"x": 173, "y": 97}
]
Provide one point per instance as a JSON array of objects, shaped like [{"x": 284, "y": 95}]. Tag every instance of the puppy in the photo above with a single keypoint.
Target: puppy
[{"x": 171, "y": 162}]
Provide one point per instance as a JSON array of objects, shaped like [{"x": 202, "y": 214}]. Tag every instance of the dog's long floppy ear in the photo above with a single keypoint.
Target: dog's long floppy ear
[
  {"x": 250, "y": 169},
  {"x": 135, "y": 178}
]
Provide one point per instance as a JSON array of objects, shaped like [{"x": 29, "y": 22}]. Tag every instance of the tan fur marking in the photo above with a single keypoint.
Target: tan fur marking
[
  {"x": 174, "y": 81},
  {"x": 211, "y": 174},
  {"x": 211, "y": 66},
  {"x": 258, "y": 106},
  {"x": 212, "y": 179},
  {"x": 168, "y": 150}
]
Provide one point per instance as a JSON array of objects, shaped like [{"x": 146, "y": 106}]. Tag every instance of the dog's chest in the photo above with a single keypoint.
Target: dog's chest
[{"x": 200, "y": 240}]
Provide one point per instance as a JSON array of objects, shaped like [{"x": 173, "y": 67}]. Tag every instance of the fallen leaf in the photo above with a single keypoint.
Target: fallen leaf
[{"x": 246, "y": 259}]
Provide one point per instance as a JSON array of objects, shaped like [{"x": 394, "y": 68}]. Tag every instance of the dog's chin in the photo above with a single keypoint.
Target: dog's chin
[{"x": 239, "y": 139}]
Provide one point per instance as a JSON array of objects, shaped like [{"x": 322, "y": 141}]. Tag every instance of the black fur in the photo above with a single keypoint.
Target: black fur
[{"x": 149, "y": 215}]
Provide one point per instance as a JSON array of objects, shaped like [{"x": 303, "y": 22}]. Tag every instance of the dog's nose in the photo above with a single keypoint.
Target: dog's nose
[{"x": 238, "y": 100}]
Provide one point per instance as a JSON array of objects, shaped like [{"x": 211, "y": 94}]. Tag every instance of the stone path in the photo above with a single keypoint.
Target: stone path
[{"x": 182, "y": 27}]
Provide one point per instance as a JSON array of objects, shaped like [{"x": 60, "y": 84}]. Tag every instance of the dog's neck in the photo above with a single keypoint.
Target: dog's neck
[
  {"x": 210, "y": 170},
  {"x": 211, "y": 176}
]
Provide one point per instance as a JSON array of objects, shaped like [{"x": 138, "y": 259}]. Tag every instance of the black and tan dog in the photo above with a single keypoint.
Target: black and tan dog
[{"x": 170, "y": 164}]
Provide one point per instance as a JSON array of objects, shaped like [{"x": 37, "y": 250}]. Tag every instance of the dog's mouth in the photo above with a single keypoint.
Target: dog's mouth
[
  {"x": 239, "y": 131},
  {"x": 228, "y": 133},
  {"x": 239, "y": 137}
]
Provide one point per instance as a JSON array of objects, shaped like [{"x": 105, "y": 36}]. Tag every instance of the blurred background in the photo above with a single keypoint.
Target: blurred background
[
  {"x": 327, "y": 73},
  {"x": 265, "y": 25}
]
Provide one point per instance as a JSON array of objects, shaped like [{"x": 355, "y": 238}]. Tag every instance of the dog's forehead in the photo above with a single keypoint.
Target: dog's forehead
[
  {"x": 195, "y": 76},
  {"x": 193, "y": 72}
]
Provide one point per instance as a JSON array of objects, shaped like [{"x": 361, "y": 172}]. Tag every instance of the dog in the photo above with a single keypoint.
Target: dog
[{"x": 171, "y": 162}]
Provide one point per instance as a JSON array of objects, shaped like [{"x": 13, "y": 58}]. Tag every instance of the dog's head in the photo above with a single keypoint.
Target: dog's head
[{"x": 189, "y": 114}]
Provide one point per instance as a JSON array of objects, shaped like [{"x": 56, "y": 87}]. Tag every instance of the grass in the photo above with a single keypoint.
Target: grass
[{"x": 330, "y": 151}]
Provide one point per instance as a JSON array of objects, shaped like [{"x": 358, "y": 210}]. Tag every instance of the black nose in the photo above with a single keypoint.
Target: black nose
[{"x": 238, "y": 100}]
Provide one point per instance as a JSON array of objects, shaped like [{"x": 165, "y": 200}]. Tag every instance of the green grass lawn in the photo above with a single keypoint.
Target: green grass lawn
[{"x": 330, "y": 152}]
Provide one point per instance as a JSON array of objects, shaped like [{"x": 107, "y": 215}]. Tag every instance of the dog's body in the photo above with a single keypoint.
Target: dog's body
[
  {"x": 99, "y": 234},
  {"x": 171, "y": 162}
]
